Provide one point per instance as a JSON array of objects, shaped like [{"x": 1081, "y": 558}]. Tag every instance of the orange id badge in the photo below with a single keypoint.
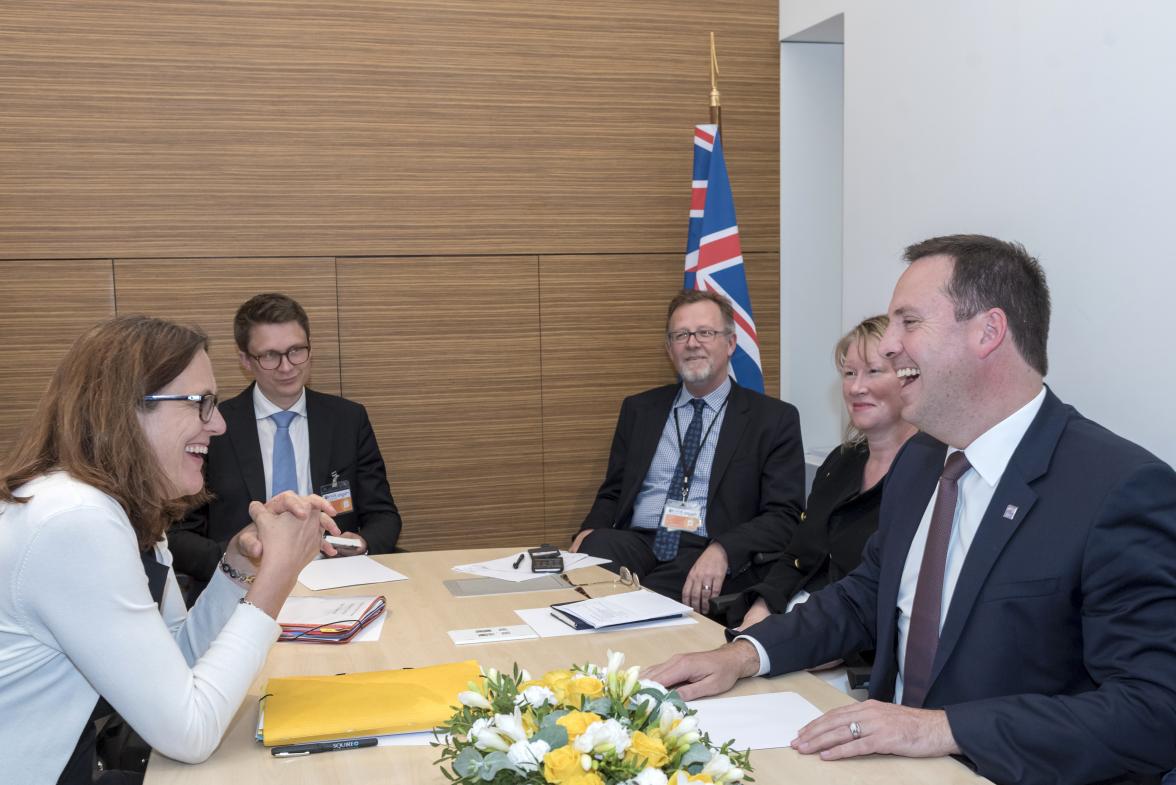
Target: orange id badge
[
  {"x": 682, "y": 516},
  {"x": 338, "y": 493}
]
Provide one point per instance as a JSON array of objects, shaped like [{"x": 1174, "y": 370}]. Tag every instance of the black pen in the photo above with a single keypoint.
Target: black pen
[
  {"x": 291, "y": 750},
  {"x": 519, "y": 560}
]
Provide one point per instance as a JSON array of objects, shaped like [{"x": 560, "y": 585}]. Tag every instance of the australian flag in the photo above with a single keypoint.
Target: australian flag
[{"x": 714, "y": 261}]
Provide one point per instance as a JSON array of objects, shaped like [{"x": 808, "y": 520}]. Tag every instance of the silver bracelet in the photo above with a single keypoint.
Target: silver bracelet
[{"x": 235, "y": 574}]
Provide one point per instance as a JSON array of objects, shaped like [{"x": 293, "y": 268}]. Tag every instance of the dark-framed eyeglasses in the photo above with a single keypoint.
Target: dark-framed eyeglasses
[
  {"x": 206, "y": 402},
  {"x": 269, "y": 361},
  {"x": 705, "y": 335}
]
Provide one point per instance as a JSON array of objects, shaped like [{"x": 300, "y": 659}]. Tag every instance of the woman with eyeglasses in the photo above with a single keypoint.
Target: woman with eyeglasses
[
  {"x": 843, "y": 505},
  {"x": 91, "y": 617}
]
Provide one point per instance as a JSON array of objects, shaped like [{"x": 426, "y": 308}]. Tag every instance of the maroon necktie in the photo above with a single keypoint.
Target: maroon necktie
[{"x": 923, "y": 632}]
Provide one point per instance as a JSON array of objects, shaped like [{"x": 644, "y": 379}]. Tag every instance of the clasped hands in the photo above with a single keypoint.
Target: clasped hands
[
  {"x": 882, "y": 728},
  {"x": 286, "y": 520}
]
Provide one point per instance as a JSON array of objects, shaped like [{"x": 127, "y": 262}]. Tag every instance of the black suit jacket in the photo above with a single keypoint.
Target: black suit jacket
[
  {"x": 341, "y": 440},
  {"x": 829, "y": 541},
  {"x": 756, "y": 490},
  {"x": 1057, "y": 658}
]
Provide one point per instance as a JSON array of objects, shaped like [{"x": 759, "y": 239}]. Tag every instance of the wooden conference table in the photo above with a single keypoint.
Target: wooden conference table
[{"x": 421, "y": 611}]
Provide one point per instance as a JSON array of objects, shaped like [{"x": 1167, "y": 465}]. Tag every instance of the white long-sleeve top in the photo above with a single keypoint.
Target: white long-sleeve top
[{"x": 77, "y": 621}]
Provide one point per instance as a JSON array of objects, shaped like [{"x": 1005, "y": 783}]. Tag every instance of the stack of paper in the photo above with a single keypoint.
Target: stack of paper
[
  {"x": 505, "y": 569},
  {"x": 327, "y": 619},
  {"x": 616, "y": 609},
  {"x": 318, "y": 708}
]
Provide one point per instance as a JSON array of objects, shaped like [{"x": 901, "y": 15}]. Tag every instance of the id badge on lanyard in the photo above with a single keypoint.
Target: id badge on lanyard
[
  {"x": 681, "y": 514},
  {"x": 338, "y": 493}
]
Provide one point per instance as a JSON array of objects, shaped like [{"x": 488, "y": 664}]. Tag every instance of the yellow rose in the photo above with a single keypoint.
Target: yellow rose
[
  {"x": 560, "y": 765},
  {"x": 576, "y": 722},
  {"x": 584, "y": 778},
  {"x": 588, "y": 686},
  {"x": 647, "y": 748},
  {"x": 559, "y": 683},
  {"x": 681, "y": 777}
]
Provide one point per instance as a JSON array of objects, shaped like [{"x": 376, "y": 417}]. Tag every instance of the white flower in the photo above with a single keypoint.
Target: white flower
[
  {"x": 667, "y": 716},
  {"x": 615, "y": 660},
  {"x": 511, "y": 726},
  {"x": 475, "y": 700},
  {"x": 528, "y": 755},
  {"x": 488, "y": 738},
  {"x": 686, "y": 732},
  {"x": 717, "y": 767},
  {"x": 603, "y": 737},
  {"x": 639, "y": 701},
  {"x": 537, "y": 696},
  {"x": 650, "y": 776},
  {"x": 526, "y": 674}
]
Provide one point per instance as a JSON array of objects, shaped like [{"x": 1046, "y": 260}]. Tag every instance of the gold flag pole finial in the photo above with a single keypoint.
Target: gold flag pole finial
[{"x": 716, "y": 105}]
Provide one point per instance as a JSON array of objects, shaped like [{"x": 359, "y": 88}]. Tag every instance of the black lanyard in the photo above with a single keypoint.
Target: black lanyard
[{"x": 688, "y": 471}]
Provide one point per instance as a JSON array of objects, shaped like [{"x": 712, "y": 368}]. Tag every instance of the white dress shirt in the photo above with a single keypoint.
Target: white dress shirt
[
  {"x": 299, "y": 434},
  {"x": 77, "y": 620},
  {"x": 988, "y": 455}
]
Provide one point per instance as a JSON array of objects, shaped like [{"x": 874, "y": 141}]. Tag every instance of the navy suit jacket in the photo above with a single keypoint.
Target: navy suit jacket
[
  {"x": 756, "y": 490},
  {"x": 341, "y": 440},
  {"x": 1057, "y": 658}
]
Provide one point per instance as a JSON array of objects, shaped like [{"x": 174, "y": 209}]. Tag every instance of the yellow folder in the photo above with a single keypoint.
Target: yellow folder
[{"x": 315, "y": 708}]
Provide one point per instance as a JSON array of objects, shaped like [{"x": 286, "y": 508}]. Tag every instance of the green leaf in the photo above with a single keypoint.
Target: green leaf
[
  {"x": 601, "y": 706},
  {"x": 467, "y": 762},
  {"x": 556, "y": 736},
  {"x": 494, "y": 763},
  {"x": 698, "y": 753},
  {"x": 552, "y": 718}
]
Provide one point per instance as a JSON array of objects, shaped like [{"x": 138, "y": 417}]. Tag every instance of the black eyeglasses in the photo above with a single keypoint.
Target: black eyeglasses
[
  {"x": 269, "y": 361},
  {"x": 705, "y": 335},
  {"x": 207, "y": 402}
]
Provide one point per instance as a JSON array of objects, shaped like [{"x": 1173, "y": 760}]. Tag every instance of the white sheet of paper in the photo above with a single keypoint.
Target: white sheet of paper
[
  {"x": 547, "y": 626},
  {"x": 627, "y": 608},
  {"x": 743, "y": 719},
  {"x": 503, "y": 568},
  {"x": 346, "y": 571}
]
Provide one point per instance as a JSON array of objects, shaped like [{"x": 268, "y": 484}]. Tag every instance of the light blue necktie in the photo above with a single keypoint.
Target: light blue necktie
[{"x": 285, "y": 473}]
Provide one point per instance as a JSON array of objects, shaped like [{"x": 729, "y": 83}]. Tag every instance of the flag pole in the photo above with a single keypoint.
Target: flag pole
[{"x": 716, "y": 105}]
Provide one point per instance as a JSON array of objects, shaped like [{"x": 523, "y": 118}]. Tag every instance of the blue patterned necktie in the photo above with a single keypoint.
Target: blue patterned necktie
[
  {"x": 665, "y": 544},
  {"x": 285, "y": 471}
]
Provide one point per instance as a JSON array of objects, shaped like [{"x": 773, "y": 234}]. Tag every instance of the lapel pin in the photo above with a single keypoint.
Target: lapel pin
[{"x": 1010, "y": 511}]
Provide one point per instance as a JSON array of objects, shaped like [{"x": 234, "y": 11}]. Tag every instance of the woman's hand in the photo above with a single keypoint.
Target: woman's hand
[
  {"x": 244, "y": 550},
  {"x": 285, "y": 535}
]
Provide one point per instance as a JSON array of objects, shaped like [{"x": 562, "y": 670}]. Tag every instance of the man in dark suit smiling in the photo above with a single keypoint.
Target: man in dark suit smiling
[
  {"x": 1020, "y": 591},
  {"x": 284, "y": 436},
  {"x": 702, "y": 475}
]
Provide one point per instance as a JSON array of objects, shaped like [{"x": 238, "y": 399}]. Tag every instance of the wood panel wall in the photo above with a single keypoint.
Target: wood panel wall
[{"x": 481, "y": 203}]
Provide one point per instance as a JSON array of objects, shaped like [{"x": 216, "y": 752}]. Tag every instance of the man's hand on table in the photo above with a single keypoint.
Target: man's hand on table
[
  {"x": 883, "y": 728},
  {"x": 706, "y": 673}
]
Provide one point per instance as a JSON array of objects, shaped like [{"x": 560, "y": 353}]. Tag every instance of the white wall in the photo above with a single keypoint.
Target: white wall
[
  {"x": 810, "y": 235},
  {"x": 1050, "y": 123}
]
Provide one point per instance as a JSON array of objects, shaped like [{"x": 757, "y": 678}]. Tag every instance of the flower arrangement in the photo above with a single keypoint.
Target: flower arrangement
[{"x": 584, "y": 726}]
